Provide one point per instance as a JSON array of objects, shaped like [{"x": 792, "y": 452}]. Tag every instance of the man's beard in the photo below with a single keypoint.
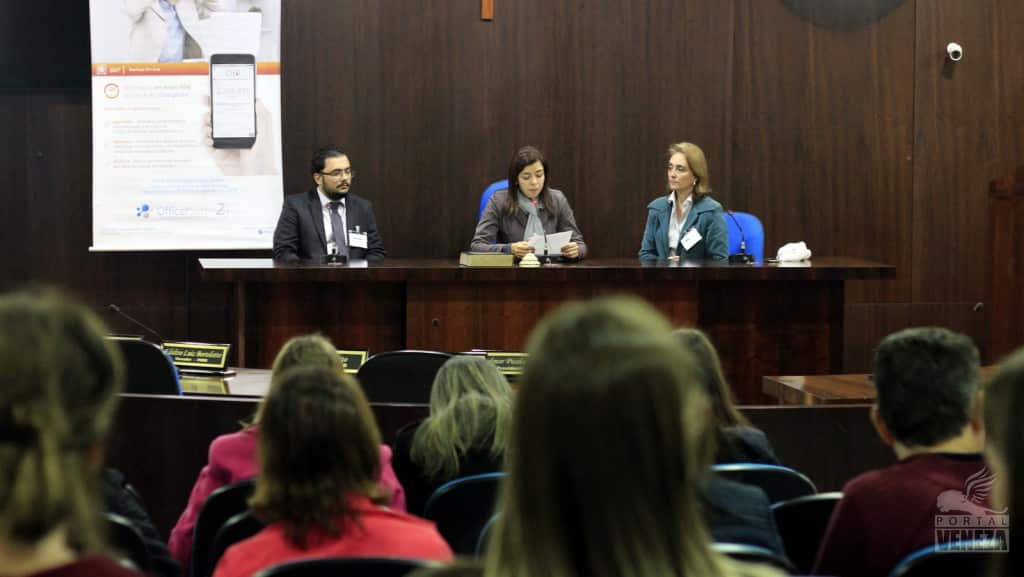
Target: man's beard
[{"x": 335, "y": 195}]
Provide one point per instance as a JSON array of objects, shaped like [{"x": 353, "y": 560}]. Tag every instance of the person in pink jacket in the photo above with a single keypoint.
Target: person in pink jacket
[{"x": 233, "y": 456}]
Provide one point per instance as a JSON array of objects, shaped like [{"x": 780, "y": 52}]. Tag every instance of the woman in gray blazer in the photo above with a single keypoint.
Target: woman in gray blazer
[{"x": 526, "y": 208}]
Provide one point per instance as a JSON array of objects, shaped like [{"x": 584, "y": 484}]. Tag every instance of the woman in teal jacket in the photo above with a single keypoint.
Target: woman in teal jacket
[{"x": 692, "y": 228}]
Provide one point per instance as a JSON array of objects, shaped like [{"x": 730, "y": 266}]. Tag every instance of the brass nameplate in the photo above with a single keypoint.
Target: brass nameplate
[
  {"x": 508, "y": 363},
  {"x": 204, "y": 385},
  {"x": 211, "y": 357},
  {"x": 353, "y": 360}
]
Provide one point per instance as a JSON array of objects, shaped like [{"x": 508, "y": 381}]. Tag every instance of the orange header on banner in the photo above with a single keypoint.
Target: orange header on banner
[{"x": 169, "y": 68}]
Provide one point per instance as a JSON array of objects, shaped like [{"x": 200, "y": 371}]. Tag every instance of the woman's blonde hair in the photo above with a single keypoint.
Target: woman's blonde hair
[
  {"x": 698, "y": 165},
  {"x": 609, "y": 447},
  {"x": 1004, "y": 404},
  {"x": 470, "y": 410},
  {"x": 300, "y": 351},
  {"x": 57, "y": 400}
]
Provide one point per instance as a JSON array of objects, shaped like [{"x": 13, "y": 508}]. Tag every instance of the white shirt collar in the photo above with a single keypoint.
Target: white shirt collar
[{"x": 672, "y": 199}]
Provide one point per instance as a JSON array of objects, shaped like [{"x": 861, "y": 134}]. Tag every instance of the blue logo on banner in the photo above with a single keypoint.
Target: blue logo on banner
[{"x": 142, "y": 211}]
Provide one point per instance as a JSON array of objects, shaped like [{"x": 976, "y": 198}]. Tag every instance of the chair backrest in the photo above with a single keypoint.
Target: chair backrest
[
  {"x": 964, "y": 558},
  {"x": 125, "y": 537},
  {"x": 400, "y": 376},
  {"x": 491, "y": 189},
  {"x": 219, "y": 508},
  {"x": 754, "y": 554},
  {"x": 753, "y": 231},
  {"x": 238, "y": 528},
  {"x": 462, "y": 507},
  {"x": 148, "y": 371},
  {"x": 348, "y": 567},
  {"x": 778, "y": 483},
  {"x": 802, "y": 523},
  {"x": 485, "y": 535}
]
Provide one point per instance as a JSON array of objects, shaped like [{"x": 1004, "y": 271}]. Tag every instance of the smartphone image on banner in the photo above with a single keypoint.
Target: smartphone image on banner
[{"x": 233, "y": 100}]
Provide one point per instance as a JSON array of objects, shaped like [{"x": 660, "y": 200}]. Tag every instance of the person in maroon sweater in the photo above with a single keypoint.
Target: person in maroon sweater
[
  {"x": 928, "y": 411},
  {"x": 59, "y": 394}
]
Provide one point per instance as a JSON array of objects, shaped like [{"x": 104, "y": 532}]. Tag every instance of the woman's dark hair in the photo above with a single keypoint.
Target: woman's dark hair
[
  {"x": 524, "y": 157},
  {"x": 318, "y": 447},
  {"x": 711, "y": 377}
]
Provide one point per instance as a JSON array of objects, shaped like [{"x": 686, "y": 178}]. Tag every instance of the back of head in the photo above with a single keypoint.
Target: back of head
[
  {"x": 1004, "y": 430},
  {"x": 470, "y": 410},
  {"x": 318, "y": 447},
  {"x": 708, "y": 369},
  {"x": 301, "y": 351},
  {"x": 606, "y": 451},
  {"x": 926, "y": 380},
  {"x": 61, "y": 378}
]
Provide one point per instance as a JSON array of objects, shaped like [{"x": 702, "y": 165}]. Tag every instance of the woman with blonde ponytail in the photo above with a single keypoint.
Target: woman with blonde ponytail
[
  {"x": 610, "y": 444},
  {"x": 60, "y": 383}
]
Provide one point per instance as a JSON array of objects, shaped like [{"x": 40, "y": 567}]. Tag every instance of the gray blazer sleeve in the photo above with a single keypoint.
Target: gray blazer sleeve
[
  {"x": 567, "y": 221},
  {"x": 486, "y": 236}
]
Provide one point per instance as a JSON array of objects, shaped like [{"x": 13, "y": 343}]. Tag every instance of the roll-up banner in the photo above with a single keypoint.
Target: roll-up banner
[{"x": 186, "y": 117}]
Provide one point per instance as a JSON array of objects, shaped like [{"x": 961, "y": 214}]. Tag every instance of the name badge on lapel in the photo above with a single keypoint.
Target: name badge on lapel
[
  {"x": 691, "y": 238},
  {"x": 356, "y": 239}
]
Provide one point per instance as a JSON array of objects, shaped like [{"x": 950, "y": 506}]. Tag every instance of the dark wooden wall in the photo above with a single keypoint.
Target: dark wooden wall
[{"x": 837, "y": 123}]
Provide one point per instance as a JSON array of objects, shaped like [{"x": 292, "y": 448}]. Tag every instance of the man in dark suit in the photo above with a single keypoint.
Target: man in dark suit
[{"x": 306, "y": 229}]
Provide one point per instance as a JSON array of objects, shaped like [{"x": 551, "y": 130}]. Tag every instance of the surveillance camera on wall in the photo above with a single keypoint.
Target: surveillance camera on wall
[{"x": 955, "y": 51}]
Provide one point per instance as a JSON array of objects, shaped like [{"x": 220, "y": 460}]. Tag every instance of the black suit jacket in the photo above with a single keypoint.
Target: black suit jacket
[{"x": 300, "y": 228}]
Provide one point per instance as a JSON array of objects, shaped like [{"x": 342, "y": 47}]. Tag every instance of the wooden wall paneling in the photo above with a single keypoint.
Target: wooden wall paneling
[
  {"x": 866, "y": 325},
  {"x": 822, "y": 135},
  {"x": 957, "y": 148},
  {"x": 17, "y": 197},
  {"x": 648, "y": 74},
  {"x": 1006, "y": 311}
]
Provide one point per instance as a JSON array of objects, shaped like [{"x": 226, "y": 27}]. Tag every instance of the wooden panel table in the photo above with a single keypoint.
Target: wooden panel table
[
  {"x": 764, "y": 319},
  {"x": 820, "y": 389}
]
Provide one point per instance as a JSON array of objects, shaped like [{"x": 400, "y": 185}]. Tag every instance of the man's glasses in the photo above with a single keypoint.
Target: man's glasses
[{"x": 339, "y": 173}]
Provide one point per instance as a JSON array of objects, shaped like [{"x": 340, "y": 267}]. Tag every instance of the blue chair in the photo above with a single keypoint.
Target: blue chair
[
  {"x": 752, "y": 231},
  {"x": 778, "y": 483},
  {"x": 494, "y": 187},
  {"x": 148, "y": 369},
  {"x": 461, "y": 508},
  {"x": 485, "y": 535},
  {"x": 400, "y": 376},
  {"x": 950, "y": 560}
]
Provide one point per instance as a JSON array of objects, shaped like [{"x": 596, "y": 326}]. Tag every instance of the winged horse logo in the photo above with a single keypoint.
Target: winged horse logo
[{"x": 972, "y": 499}]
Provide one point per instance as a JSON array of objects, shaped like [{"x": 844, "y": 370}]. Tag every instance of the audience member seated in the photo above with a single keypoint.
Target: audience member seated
[
  {"x": 318, "y": 489},
  {"x": 736, "y": 513},
  {"x": 1004, "y": 430},
  {"x": 465, "y": 434},
  {"x": 609, "y": 445},
  {"x": 928, "y": 410},
  {"x": 121, "y": 498},
  {"x": 59, "y": 393},
  {"x": 737, "y": 440},
  {"x": 233, "y": 456}
]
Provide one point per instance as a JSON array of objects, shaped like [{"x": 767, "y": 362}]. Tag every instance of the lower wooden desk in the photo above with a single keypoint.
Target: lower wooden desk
[
  {"x": 820, "y": 389},
  {"x": 765, "y": 320}
]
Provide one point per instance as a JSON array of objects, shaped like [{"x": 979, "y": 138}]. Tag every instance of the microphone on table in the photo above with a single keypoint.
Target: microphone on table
[
  {"x": 742, "y": 257},
  {"x": 136, "y": 322}
]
